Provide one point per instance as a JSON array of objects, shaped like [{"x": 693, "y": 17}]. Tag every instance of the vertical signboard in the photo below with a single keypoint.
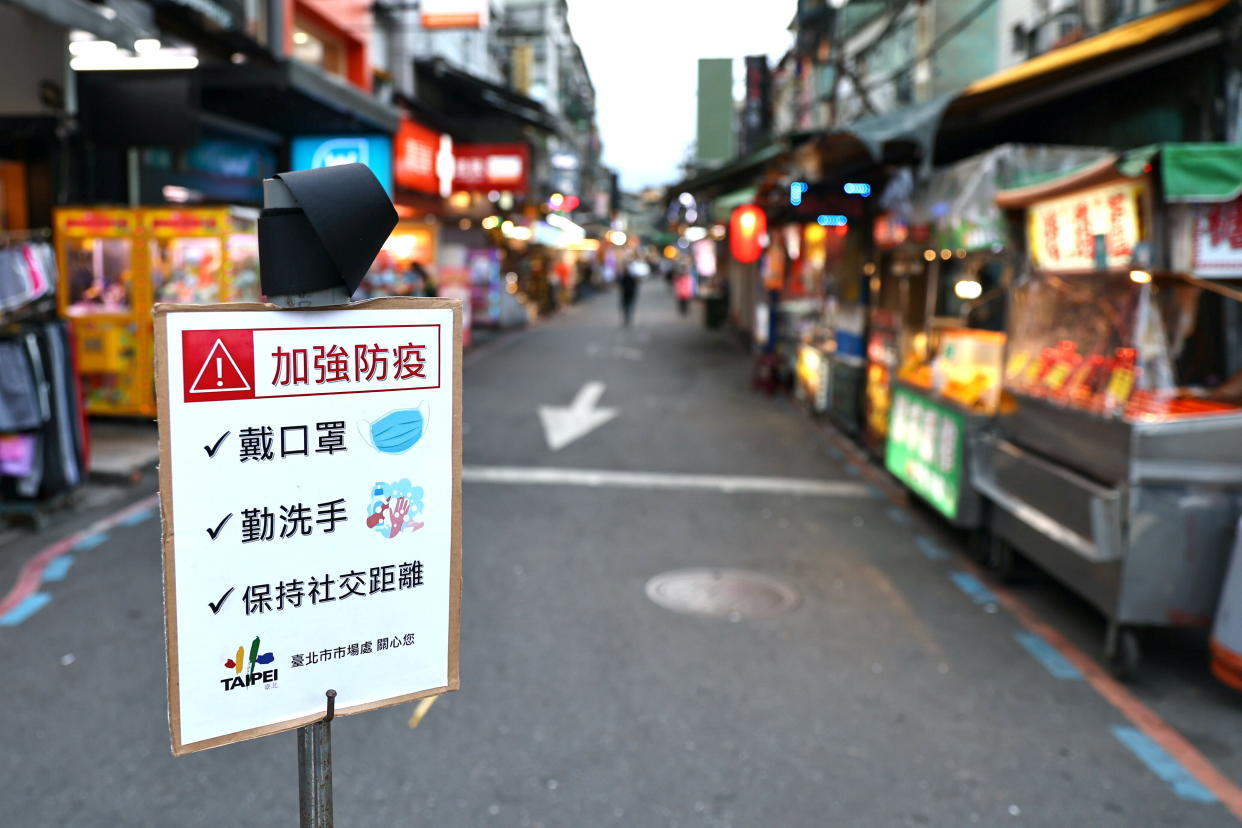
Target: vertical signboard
[
  {"x": 1217, "y": 250},
  {"x": 714, "y": 142},
  {"x": 310, "y": 488},
  {"x": 924, "y": 449},
  {"x": 416, "y": 156}
]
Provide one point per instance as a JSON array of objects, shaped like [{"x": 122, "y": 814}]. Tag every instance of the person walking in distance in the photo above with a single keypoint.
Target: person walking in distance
[
  {"x": 684, "y": 285},
  {"x": 635, "y": 269}
]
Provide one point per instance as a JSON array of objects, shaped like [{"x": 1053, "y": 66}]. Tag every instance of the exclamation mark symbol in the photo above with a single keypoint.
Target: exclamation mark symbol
[{"x": 219, "y": 371}]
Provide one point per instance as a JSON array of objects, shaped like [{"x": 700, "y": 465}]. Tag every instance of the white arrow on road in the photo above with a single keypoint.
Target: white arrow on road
[{"x": 562, "y": 425}]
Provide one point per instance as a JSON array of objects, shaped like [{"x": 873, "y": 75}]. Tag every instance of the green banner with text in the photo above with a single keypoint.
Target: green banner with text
[{"x": 924, "y": 449}]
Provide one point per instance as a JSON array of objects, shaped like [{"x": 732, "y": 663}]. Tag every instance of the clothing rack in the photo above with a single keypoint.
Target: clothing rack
[
  {"x": 44, "y": 308},
  {"x": 26, "y": 235},
  {"x": 43, "y": 439}
]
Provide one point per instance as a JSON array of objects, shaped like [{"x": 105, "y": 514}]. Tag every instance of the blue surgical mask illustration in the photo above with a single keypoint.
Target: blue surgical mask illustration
[{"x": 397, "y": 431}]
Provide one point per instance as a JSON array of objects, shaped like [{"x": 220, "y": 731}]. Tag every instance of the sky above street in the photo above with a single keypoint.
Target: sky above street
[{"x": 643, "y": 59}]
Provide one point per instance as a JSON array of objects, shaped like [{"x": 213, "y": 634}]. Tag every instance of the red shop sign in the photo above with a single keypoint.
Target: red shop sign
[
  {"x": 415, "y": 157},
  {"x": 484, "y": 167}
]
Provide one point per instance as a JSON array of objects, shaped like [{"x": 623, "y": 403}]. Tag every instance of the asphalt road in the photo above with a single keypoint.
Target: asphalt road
[{"x": 899, "y": 691}]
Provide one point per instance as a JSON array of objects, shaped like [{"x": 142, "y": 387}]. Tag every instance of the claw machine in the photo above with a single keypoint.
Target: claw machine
[{"x": 116, "y": 263}]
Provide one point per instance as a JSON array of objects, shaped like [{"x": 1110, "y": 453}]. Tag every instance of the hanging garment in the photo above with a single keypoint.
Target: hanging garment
[
  {"x": 35, "y": 270},
  {"x": 15, "y": 287},
  {"x": 20, "y": 408},
  {"x": 17, "y": 454},
  {"x": 27, "y": 273},
  {"x": 63, "y": 443},
  {"x": 42, "y": 430}
]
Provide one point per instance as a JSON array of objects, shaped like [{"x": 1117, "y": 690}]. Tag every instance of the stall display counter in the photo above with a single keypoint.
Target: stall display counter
[
  {"x": 813, "y": 384},
  {"x": 1105, "y": 470},
  {"x": 115, "y": 264},
  {"x": 848, "y": 369},
  {"x": 941, "y": 411},
  {"x": 882, "y": 362}
]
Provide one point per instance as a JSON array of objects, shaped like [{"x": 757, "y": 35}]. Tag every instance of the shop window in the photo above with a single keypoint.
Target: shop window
[
  {"x": 186, "y": 270},
  {"x": 99, "y": 274},
  {"x": 970, "y": 291},
  {"x": 256, "y": 20},
  {"x": 318, "y": 48}
]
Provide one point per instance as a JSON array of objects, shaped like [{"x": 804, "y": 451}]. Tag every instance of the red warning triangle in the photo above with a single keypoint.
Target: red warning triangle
[{"x": 219, "y": 373}]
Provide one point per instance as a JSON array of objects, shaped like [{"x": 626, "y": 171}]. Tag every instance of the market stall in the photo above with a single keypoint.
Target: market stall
[
  {"x": 116, "y": 263},
  {"x": 406, "y": 263},
  {"x": 817, "y": 343},
  {"x": 1116, "y": 463},
  {"x": 832, "y": 319},
  {"x": 947, "y": 309},
  {"x": 896, "y": 324}
]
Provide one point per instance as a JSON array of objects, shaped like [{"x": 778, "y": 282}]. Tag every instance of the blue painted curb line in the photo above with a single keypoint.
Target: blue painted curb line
[
  {"x": 28, "y": 607},
  {"x": 973, "y": 587},
  {"x": 1159, "y": 762},
  {"x": 57, "y": 568},
  {"x": 930, "y": 548},
  {"x": 1047, "y": 655}
]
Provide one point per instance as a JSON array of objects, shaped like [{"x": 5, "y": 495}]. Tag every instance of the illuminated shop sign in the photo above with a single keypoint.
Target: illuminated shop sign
[
  {"x": 310, "y": 152},
  {"x": 1064, "y": 232}
]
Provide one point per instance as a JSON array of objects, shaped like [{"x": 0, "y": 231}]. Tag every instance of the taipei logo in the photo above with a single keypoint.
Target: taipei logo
[{"x": 245, "y": 671}]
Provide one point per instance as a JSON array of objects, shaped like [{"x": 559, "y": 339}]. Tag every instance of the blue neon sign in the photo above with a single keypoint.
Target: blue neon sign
[
  {"x": 310, "y": 152},
  {"x": 832, "y": 220},
  {"x": 796, "y": 189},
  {"x": 858, "y": 188}
]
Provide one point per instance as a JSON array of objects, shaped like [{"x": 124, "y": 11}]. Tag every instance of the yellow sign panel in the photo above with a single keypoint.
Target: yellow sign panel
[
  {"x": 106, "y": 223},
  {"x": 1064, "y": 232},
  {"x": 181, "y": 223}
]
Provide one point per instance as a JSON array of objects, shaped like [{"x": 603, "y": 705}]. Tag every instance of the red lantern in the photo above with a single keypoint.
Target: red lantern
[{"x": 747, "y": 225}]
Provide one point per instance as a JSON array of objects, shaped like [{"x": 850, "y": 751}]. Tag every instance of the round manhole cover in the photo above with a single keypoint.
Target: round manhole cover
[{"x": 734, "y": 593}]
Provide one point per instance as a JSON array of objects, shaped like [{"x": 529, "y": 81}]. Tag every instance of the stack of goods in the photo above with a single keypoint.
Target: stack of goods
[{"x": 1094, "y": 381}]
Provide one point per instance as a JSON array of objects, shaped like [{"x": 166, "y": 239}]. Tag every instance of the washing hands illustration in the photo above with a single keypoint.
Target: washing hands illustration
[{"x": 393, "y": 506}]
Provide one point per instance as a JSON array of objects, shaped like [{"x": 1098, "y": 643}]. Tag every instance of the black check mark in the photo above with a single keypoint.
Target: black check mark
[
  {"x": 215, "y": 608},
  {"x": 214, "y": 532},
  {"x": 211, "y": 452}
]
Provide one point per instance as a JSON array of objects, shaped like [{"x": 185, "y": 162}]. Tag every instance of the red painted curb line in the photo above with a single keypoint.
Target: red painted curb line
[{"x": 31, "y": 574}]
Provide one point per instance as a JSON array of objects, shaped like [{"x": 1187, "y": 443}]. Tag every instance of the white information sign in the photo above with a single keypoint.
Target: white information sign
[
  {"x": 310, "y": 486},
  {"x": 1218, "y": 239}
]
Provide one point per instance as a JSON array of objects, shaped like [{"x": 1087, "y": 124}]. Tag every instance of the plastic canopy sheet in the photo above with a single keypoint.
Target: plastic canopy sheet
[
  {"x": 916, "y": 125},
  {"x": 959, "y": 201}
]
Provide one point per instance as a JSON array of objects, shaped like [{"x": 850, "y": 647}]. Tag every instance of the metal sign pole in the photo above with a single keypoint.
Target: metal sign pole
[
  {"x": 315, "y": 739},
  {"x": 315, "y": 770}
]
